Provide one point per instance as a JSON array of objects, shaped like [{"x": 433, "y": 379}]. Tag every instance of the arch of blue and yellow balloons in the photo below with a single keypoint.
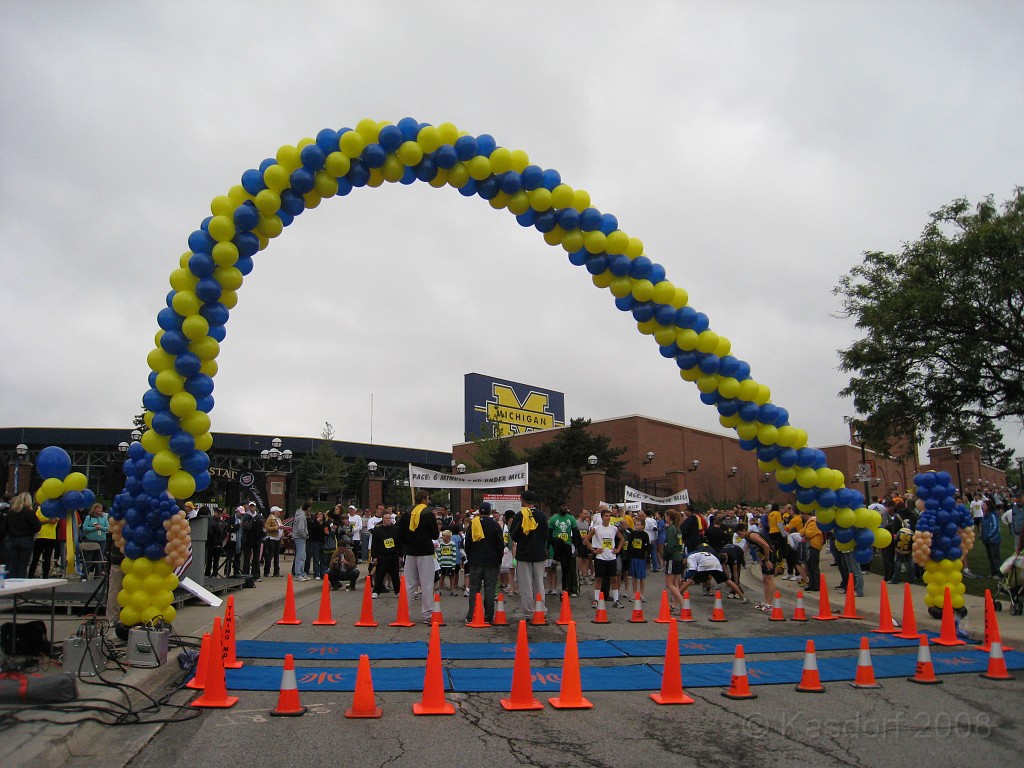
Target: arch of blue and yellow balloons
[{"x": 171, "y": 462}]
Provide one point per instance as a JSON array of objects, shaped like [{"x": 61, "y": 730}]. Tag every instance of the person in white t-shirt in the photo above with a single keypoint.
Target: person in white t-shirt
[
  {"x": 605, "y": 540},
  {"x": 355, "y": 524},
  {"x": 703, "y": 566},
  {"x": 375, "y": 519}
]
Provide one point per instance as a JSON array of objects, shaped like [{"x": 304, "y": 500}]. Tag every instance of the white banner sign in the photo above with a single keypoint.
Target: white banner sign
[
  {"x": 632, "y": 494},
  {"x": 506, "y": 477}
]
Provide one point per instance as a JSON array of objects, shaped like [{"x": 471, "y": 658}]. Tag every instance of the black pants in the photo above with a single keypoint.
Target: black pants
[
  {"x": 604, "y": 570},
  {"x": 251, "y": 559},
  {"x": 485, "y": 578},
  {"x": 338, "y": 577},
  {"x": 43, "y": 549},
  {"x": 386, "y": 566},
  {"x": 271, "y": 556},
  {"x": 213, "y": 561},
  {"x": 888, "y": 562},
  {"x": 813, "y": 571},
  {"x": 994, "y": 558}
]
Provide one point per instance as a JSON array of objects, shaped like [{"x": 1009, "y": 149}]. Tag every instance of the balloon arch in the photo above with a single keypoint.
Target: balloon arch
[{"x": 170, "y": 463}]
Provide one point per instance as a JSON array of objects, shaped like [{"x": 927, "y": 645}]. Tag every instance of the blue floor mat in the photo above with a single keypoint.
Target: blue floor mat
[
  {"x": 726, "y": 646},
  {"x": 639, "y": 677}
]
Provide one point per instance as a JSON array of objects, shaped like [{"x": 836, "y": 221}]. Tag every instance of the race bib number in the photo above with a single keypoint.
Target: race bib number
[
  {"x": 637, "y": 544},
  {"x": 389, "y": 543},
  {"x": 563, "y": 536},
  {"x": 606, "y": 543}
]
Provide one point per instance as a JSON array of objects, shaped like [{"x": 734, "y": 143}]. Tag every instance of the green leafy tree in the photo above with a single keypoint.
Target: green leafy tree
[
  {"x": 557, "y": 465},
  {"x": 943, "y": 322}
]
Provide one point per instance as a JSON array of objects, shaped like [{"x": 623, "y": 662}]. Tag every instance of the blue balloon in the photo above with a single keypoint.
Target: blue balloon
[
  {"x": 844, "y": 535},
  {"x": 182, "y": 443},
  {"x": 669, "y": 351},
  {"x": 744, "y": 371},
  {"x": 302, "y": 180},
  {"x": 685, "y": 316},
  {"x": 787, "y": 457},
  {"x": 748, "y": 411},
  {"x": 545, "y": 221},
  {"x": 153, "y": 483},
  {"x": 208, "y": 289},
  {"x": 136, "y": 451},
  {"x": 729, "y": 364},
  {"x": 826, "y": 527},
  {"x": 784, "y": 487},
  {"x": 199, "y": 385},
  {"x": 200, "y": 241},
  {"x": 205, "y": 404},
  {"x": 864, "y": 537},
  {"x": 132, "y": 551},
  {"x": 214, "y": 313},
  {"x": 657, "y": 273},
  {"x": 643, "y": 311},
  {"x": 445, "y": 157},
  {"x": 579, "y": 258},
  {"x": 154, "y": 551},
  {"x": 195, "y": 462},
  {"x": 485, "y": 144},
  {"x": 700, "y": 323},
  {"x": 685, "y": 360},
  {"x": 708, "y": 364},
  {"x": 53, "y": 508},
  {"x": 53, "y": 461},
  {"x": 728, "y": 407},
  {"x": 165, "y": 423},
  {"x": 511, "y": 183},
  {"x": 806, "y": 495},
  {"x": 709, "y": 398},
  {"x": 609, "y": 223},
  {"x": 203, "y": 480},
  {"x": 390, "y": 137},
  {"x": 569, "y": 219},
  {"x": 531, "y": 177},
  {"x": 410, "y": 129},
  {"x": 168, "y": 319},
  {"x": 327, "y": 140},
  {"x": 358, "y": 174},
  {"x": 173, "y": 342},
  {"x": 625, "y": 303},
  {"x": 246, "y": 217},
  {"x": 488, "y": 190},
  {"x": 155, "y": 401},
  {"x": 244, "y": 264},
  {"x": 550, "y": 178},
  {"x": 590, "y": 220},
  {"x": 619, "y": 266},
  {"x": 767, "y": 452},
  {"x": 863, "y": 556},
  {"x": 598, "y": 263},
  {"x": 639, "y": 268},
  {"x": 466, "y": 149},
  {"x": 527, "y": 218},
  {"x": 768, "y": 413},
  {"x": 782, "y": 419},
  {"x": 252, "y": 182},
  {"x": 73, "y": 500},
  {"x": 665, "y": 314},
  {"x": 826, "y": 499},
  {"x": 186, "y": 364}
]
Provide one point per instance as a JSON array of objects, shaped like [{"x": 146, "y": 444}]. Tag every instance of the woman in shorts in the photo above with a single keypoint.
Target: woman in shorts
[
  {"x": 758, "y": 543},
  {"x": 673, "y": 559}
]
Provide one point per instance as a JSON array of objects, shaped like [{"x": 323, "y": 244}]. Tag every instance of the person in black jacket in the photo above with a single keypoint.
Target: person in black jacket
[
  {"x": 485, "y": 546},
  {"x": 22, "y": 526},
  {"x": 417, "y": 532},
  {"x": 529, "y": 536},
  {"x": 252, "y": 539},
  {"x": 386, "y": 554}
]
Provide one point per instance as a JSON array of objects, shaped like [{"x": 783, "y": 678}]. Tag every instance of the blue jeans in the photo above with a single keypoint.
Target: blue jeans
[
  {"x": 852, "y": 566},
  {"x": 299, "y": 563},
  {"x": 314, "y": 553}
]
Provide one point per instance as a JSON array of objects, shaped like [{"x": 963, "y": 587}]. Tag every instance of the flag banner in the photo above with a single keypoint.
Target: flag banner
[
  {"x": 506, "y": 477},
  {"x": 632, "y": 494}
]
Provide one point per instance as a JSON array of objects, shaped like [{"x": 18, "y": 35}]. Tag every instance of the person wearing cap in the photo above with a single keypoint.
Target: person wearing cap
[
  {"x": 355, "y": 524},
  {"x": 274, "y": 532},
  {"x": 190, "y": 511},
  {"x": 484, "y": 546},
  {"x": 529, "y": 535}
]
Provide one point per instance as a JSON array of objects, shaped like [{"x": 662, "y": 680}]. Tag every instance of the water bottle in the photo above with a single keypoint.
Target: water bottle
[{"x": 3, "y": 576}]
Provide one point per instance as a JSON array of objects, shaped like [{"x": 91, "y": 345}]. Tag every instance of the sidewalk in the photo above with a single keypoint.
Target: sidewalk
[
  {"x": 92, "y": 745},
  {"x": 1011, "y": 628}
]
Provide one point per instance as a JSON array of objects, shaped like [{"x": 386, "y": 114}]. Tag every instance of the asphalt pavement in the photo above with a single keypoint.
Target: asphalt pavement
[{"x": 842, "y": 726}]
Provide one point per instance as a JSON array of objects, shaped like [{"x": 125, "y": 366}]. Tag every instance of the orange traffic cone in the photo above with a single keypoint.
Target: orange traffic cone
[
  {"x": 718, "y": 612},
  {"x": 885, "y": 625},
  {"x": 992, "y": 634},
  {"x": 777, "y": 614},
  {"x": 565, "y": 618},
  {"x": 289, "y": 616},
  {"x": 601, "y": 617},
  {"x": 996, "y": 663},
  {"x": 402, "y": 615},
  {"x": 686, "y": 613},
  {"x": 810, "y": 681},
  {"x": 570, "y": 692},
  {"x": 437, "y": 617},
  {"x": 865, "y": 677},
  {"x": 947, "y": 635},
  {"x": 324, "y": 619},
  {"x": 739, "y": 685},
  {"x": 824, "y": 606},
  {"x": 800, "y": 612},
  {"x": 850, "y": 606},
  {"x": 909, "y": 630},
  {"x": 230, "y": 658},
  {"x": 500, "y": 617},
  {"x": 215, "y": 692},
  {"x": 540, "y": 616},
  {"x": 522, "y": 679},
  {"x": 288, "y": 698},
  {"x": 366, "y": 615},
  {"x": 671, "y": 675},
  {"x": 638, "y": 610},
  {"x": 478, "y": 613},
  {"x": 364, "y": 703},
  {"x": 924, "y": 672},
  {"x": 665, "y": 612},
  {"x": 433, "y": 701},
  {"x": 198, "y": 681}
]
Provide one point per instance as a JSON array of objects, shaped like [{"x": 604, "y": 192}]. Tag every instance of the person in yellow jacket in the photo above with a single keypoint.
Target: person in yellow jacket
[
  {"x": 815, "y": 541},
  {"x": 45, "y": 545},
  {"x": 794, "y": 525}
]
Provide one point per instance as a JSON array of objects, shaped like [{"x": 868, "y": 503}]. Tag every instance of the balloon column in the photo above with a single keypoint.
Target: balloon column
[
  {"x": 945, "y": 533},
  {"x": 171, "y": 462}
]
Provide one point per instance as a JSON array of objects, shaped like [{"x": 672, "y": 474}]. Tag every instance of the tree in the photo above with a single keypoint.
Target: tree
[
  {"x": 557, "y": 465},
  {"x": 323, "y": 469},
  {"x": 944, "y": 324},
  {"x": 492, "y": 451},
  {"x": 984, "y": 434}
]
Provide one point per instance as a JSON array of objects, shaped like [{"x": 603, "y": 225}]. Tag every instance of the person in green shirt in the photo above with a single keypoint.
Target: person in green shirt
[
  {"x": 674, "y": 563},
  {"x": 563, "y": 544}
]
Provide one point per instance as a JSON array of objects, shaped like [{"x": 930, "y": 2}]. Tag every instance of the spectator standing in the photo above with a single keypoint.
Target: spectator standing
[
  {"x": 485, "y": 547},
  {"x": 300, "y": 535},
  {"x": 45, "y": 545},
  {"x": 274, "y": 531},
  {"x": 22, "y": 526},
  {"x": 529, "y": 535},
  {"x": 991, "y": 538},
  {"x": 386, "y": 554},
  {"x": 94, "y": 530}
]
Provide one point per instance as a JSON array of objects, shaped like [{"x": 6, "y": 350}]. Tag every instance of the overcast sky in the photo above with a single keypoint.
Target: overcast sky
[{"x": 757, "y": 149}]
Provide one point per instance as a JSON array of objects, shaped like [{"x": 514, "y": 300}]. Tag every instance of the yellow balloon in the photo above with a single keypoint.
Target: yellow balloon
[
  {"x": 196, "y": 423},
  {"x": 621, "y": 287},
  {"x": 153, "y": 584},
  {"x": 707, "y": 341},
  {"x": 139, "y": 600},
  {"x": 846, "y": 546},
  {"x": 603, "y": 280},
  {"x": 159, "y": 360},
  {"x": 75, "y": 481},
  {"x": 182, "y": 404},
  {"x": 724, "y": 346},
  {"x": 764, "y": 394},
  {"x": 206, "y": 348},
  {"x": 686, "y": 340},
  {"x": 186, "y": 303},
  {"x": 664, "y": 292},
  {"x": 181, "y": 485},
  {"x": 149, "y": 614},
  {"x": 729, "y": 421},
  {"x": 642, "y": 290},
  {"x": 561, "y": 196},
  {"x": 572, "y": 241},
  {"x": 665, "y": 336},
  {"x": 166, "y": 463},
  {"x": 729, "y": 388},
  {"x": 230, "y": 278},
  {"x": 153, "y": 442},
  {"x": 410, "y": 153},
  {"x": 824, "y": 477},
  {"x": 52, "y": 488},
  {"x": 862, "y": 517},
  {"x": 169, "y": 382},
  {"x": 748, "y": 390},
  {"x": 204, "y": 442},
  {"x": 131, "y": 582},
  {"x": 183, "y": 280},
  {"x": 170, "y": 614},
  {"x": 826, "y": 515},
  {"x": 142, "y": 567},
  {"x": 594, "y": 242},
  {"x": 195, "y": 327},
  {"x": 845, "y": 517},
  {"x": 805, "y": 476},
  {"x": 162, "y": 569},
  {"x": 225, "y": 254},
  {"x": 617, "y": 242},
  {"x": 337, "y": 163},
  {"x": 768, "y": 434},
  {"x": 690, "y": 374},
  {"x": 785, "y": 474},
  {"x": 129, "y": 616},
  {"x": 501, "y": 159},
  {"x": 707, "y": 383},
  {"x": 288, "y": 157},
  {"x": 787, "y": 435},
  {"x": 268, "y": 201},
  {"x": 747, "y": 430},
  {"x": 883, "y": 538}
]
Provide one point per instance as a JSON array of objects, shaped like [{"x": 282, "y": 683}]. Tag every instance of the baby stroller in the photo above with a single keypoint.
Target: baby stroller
[{"x": 1009, "y": 586}]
